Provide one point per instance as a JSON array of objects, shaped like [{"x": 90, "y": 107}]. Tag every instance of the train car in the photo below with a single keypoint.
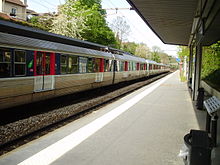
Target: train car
[
  {"x": 34, "y": 69},
  {"x": 156, "y": 68}
]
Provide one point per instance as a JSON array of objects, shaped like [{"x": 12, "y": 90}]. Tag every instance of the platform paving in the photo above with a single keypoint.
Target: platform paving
[{"x": 148, "y": 133}]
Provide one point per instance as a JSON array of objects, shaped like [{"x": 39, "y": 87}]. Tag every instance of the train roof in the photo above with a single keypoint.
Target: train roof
[
  {"x": 28, "y": 37},
  {"x": 128, "y": 57},
  {"x": 151, "y": 62},
  {"x": 26, "y": 31},
  {"x": 154, "y": 62},
  {"x": 20, "y": 42}
]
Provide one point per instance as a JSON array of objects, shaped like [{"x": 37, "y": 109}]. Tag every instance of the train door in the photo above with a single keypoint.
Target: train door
[{"x": 44, "y": 70}]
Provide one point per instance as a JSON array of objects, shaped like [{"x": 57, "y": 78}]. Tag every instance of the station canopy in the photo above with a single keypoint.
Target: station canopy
[{"x": 175, "y": 21}]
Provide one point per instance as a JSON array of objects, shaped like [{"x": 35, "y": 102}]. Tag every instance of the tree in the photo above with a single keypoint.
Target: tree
[
  {"x": 84, "y": 19},
  {"x": 97, "y": 29},
  {"x": 121, "y": 29},
  {"x": 44, "y": 21},
  {"x": 164, "y": 58},
  {"x": 155, "y": 53},
  {"x": 183, "y": 51},
  {"x": 142, "y": 50},
  {"x": 129, "y": 47},
  {"x": 211, "y": 61},
  {"x": 70, "y": 21}
]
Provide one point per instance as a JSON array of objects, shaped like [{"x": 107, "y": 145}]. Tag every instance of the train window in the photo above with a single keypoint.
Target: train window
[
  {"x": 19, "y": 63},
  {"x": 117, "y": 66},
  {"x": 142, "y": 67},
  {"x": 39, "y": 69},
  {"x": 47, "y": 63},
  {"x": 82, "y": 65},
  {"x": 108, "y": 65},
  {"x": 5, "y": 62},
  {"x": 63, "y": 64},
  {"x": 111, "y": 65},
  {"x": 91, "y": 62},
  {"x": 129, "y": 66},
  {"x": 73, "y": 64},
  {"x": 134, "y": 66},
  {"x": 69, "y": 64},
  {"x": 122, "y": 65}
]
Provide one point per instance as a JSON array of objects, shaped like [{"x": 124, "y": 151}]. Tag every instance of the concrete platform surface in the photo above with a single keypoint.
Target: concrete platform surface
[{"x": 145, "y": 127}]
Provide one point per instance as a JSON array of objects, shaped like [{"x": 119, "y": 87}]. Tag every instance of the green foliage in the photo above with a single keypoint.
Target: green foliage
[
  {"x": 43, "y": 22},
  {"x": 70, "y": 20},
  {"x": 24, "y": 23},
  {"x": 164, "y": 58},
  {"x": 183, "y": 51},
  {"x": 143, "y": 51},
  {"x": 84, "y": 19},
  {"x": 90, "y": 3},
  {"x": 182, "y": 77},
  {"x": 129, "y": 47},
  {"x": 155, "y": 54},
  {"x": 211, "y": 64},
  {"x": 172, "y": 60},
  {"x": 97, "y": 29}
]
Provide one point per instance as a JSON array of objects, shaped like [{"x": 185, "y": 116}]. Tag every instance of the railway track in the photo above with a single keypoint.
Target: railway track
[{"x": 34, "y": 120}]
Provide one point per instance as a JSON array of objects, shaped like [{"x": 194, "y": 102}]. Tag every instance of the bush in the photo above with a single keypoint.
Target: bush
[{"x": 211, "y": 64}]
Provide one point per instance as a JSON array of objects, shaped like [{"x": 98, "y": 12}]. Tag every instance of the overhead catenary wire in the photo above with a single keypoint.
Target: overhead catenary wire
[
  {"x": 48, "y": 3},
  {"x": 42, "y": 5},
  {"x": 123, "y": 16},
  {"x": 142, "y": 34},
  {"x": 132, "y": 24}
]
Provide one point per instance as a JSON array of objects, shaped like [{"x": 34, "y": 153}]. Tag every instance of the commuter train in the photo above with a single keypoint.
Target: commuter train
[{"x": 33, "y": 69}]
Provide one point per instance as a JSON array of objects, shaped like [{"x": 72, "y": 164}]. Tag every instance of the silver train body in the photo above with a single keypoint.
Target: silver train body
[{"x": 32, "y": 69}]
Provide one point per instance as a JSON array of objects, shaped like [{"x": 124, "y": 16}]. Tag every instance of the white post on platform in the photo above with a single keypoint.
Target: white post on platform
[
  {"x": 190, "y": 64},
  {"x": 185, "y": 66}
]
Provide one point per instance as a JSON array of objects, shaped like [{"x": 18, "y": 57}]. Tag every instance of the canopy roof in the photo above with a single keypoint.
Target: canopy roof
[{"x": 176, "y": 21}]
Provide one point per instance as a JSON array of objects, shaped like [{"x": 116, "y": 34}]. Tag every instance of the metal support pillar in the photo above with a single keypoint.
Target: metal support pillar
[
  {"x": 200, "y": 98},
  {"x": 197, "y": 71}
]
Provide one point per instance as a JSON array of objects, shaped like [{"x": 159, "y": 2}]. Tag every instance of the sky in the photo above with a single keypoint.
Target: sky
[{"x": 140, "y": 32}]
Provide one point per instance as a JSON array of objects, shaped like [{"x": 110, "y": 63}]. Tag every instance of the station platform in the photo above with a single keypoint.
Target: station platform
[{"x": 145, "y": 127}]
